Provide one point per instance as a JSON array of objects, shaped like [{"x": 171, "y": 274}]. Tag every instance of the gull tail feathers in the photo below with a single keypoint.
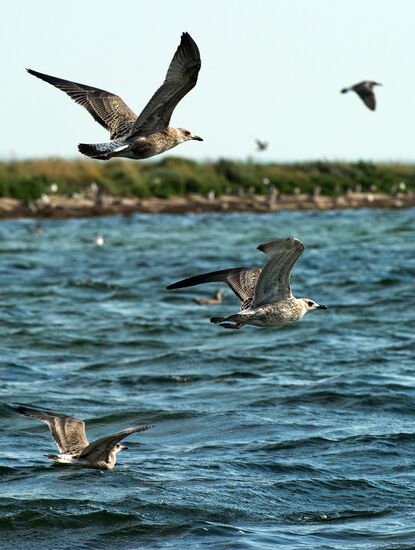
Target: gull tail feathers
[
  {"x": 217, "y": 320},
  {"x": 102, "y": 151},
  {"x": 61, "y": 459},
  {"x": 55, "y": 458}
]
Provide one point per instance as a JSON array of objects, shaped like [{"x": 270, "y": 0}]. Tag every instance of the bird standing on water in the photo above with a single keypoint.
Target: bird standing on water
[
  {"x": 215, "y": 300},
  {"x": 265, "y": 295},
  {"x": 74, "y": 447},
  {"x": 365, "y": 91},
  {"x": 148, "y": 134}
]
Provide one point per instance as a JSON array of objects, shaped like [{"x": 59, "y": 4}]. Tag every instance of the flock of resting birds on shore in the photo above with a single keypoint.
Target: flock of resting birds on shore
[{"x": 265, "y": 294}]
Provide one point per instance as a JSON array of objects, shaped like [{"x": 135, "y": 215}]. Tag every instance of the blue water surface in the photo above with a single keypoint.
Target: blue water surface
[{"x": 299, "y": 437}]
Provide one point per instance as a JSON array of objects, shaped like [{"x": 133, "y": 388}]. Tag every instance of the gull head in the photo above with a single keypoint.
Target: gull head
[
  {"x": 370, "y": 84},
  {"x": 185, "y": 135},
  {"x": 118, "y": 447},
  {"x": 309, "y": 305}
]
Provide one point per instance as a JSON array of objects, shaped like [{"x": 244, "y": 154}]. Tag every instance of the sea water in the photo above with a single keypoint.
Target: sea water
[{"x": 299, "y": 437}]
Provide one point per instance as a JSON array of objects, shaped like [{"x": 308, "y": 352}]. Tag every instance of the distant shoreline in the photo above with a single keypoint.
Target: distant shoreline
[{"x": 62, "y": 207}]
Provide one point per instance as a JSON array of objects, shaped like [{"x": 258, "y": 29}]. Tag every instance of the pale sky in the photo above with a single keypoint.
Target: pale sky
[{"x": 271, "y": 69}]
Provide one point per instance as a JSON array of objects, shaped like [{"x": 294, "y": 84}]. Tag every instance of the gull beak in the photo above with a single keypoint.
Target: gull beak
[
  {"x": 197, "y": 138},
  {"x": 322, "y": 307},
  {"x": 124, "y": 447}
]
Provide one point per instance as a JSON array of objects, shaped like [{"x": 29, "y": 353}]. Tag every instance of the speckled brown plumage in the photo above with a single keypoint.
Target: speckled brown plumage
[
  {"x": 74, "y": 448},
  {"x": 148, "y": 134},
  {"x": 265, "y": 295}
]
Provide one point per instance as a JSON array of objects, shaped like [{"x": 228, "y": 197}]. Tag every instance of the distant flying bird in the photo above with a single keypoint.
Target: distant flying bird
[
  {"x": 148, "y": 134},
  {"x": 265, "y": 295},
  {"x": 365, "y": 91},
  {"x": 217, "y": 299},
  {"x": 74, "y": 447},
  {"x": 261, "y": 145}
]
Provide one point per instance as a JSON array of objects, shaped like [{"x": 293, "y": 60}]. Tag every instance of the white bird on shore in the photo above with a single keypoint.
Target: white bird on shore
[
  {"x": 265, "y": 295},
  {"x": 148, "y": 134},
  {"x": 74, "y": 448}
]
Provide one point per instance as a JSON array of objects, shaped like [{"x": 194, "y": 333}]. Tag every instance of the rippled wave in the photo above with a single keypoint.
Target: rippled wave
[{"x": 295, "y": 437}]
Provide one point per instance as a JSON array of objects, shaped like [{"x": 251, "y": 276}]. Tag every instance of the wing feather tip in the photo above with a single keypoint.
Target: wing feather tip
[
  {"x": 34, "y": 73},
  {"x": 147, "y": 427},
  {"x": 188, "y": 41},
  {"x": 22, "y": 409},
  {"x": 173, "y": 286},
  {"x": 186, "y": 36},
  {"x": 29, "y": 411},
  {"x": 138, "y": 429}
]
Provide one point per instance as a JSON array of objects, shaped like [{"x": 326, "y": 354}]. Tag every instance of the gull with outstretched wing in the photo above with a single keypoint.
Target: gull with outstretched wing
[
  {"x": 265, "y": 295},
  {"x": 365, "y": 91},
  {"x": 148, "y": 134},
  {"x": 74, "y": 448}
]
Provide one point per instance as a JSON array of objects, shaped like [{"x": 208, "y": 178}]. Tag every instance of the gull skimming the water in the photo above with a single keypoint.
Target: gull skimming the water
[
  {"x": 74, "y": 447},
  {"x": 265, "y": 295},
  {"x": 365, "y": 91},
  {"x": 148, "y": 134}
]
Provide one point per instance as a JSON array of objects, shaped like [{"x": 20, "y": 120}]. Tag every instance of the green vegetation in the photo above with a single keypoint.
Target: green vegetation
[{"x": 27, "y": 180}]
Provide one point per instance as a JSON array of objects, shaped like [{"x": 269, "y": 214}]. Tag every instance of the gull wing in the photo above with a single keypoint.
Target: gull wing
[
  {"x": 274, "y": 282},
  {"x": 101, "y": 448},
  {"x": 366, "y": 94},
  {"x": 108, "y": 109},
  {"x": 68, "y": 432},
  {"x": 241, "y": 280},
  {"x": 180, "y": 79}
]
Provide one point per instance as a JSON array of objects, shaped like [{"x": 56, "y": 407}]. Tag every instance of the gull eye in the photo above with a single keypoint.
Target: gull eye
[{"x": 310, "y": 304}]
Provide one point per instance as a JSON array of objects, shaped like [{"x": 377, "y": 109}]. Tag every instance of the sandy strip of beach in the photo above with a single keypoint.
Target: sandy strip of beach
[{"x": 60, "y": 207}]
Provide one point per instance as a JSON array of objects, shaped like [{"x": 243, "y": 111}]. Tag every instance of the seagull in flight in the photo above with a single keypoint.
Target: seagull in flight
[
  {"x": 74, "y": 448},
  {"x": 261, "y": 145},
  {"x": 148, "y": 134},
  {"x": 364, "y": 90},
  {"x": 265, "y": 295}
]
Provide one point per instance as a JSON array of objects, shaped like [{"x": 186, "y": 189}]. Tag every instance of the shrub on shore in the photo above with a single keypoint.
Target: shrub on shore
[{"x": 27, "y": 180}]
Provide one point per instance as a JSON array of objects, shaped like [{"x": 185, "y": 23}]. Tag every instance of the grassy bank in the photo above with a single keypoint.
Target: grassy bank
[{"x": 28, "y": 180}]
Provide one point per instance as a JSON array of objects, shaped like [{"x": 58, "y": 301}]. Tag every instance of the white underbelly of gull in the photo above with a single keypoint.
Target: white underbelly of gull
[{"x": 265, "y": 295}]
